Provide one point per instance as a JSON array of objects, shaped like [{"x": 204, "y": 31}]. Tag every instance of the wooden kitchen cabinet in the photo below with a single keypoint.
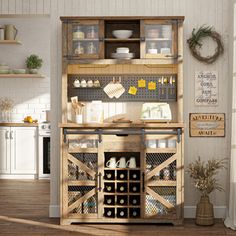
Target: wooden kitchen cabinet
[
  {"x": 87, "y": 38},
  {"x": 149, "y": 189},
  {"x": 84, "y": 39},
  {"x": 159, "y": 39},
  {"x": 18, "y": 152}
]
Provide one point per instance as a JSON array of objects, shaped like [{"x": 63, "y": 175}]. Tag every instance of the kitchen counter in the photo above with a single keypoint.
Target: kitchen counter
[
  {"x": 20, "y": 124},
  {"x": 122, "y": 125}
]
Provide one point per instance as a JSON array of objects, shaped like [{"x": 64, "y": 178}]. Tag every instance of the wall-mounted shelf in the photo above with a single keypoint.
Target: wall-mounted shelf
[
  {"x": 21, "y": 76},
  {"x": 10, "y": 42}
]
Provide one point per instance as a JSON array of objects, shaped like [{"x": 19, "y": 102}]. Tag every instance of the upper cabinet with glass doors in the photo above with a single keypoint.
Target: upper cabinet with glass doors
[
  {"x": 159, "y": 39},
  {"x": 84, "y": 39},
  {"x": 98, "y": 38}
]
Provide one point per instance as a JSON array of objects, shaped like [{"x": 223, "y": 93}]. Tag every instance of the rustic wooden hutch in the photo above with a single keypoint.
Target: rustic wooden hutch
[{"x": 151, "y": 191}]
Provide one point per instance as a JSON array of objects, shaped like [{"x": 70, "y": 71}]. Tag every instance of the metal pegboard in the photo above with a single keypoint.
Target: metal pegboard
[{"x": 164, "y": 92}]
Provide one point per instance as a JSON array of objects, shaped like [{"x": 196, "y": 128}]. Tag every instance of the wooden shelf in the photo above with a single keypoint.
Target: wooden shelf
[
  {"x": 10, "y": 42},
  {"x": 82, "y": 150},
  {"x": 126, "y": 193},
  {"x": 107, "y": 168},
  {"x": 160, "y": 150},
  {"x": 122, "y": 40},
  {"x": 85, "y": 40},
  {"x": 21, "y": 76},
  {"x": 158, "y": 39},
  {"x": 121, "y": 206}
]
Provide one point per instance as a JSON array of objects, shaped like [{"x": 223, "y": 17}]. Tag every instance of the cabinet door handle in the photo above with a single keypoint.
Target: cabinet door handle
[
  {"x": 99, "y": 182},
  {"x": 11, "y": 135},
  {"x": 7, "y": 135},
  {"x": 143, "y": 187}
]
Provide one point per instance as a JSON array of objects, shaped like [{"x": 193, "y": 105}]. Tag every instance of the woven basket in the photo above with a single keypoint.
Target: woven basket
[{"x": 204, "y": 212}]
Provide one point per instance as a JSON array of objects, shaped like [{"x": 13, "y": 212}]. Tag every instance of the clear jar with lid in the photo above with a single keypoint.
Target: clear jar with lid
[
  {"x": 91, "y": 32},
  {"x": 78, "y": 33},
  {"x": 91, "y": 48},
  {"x": 78, "y": 49}
]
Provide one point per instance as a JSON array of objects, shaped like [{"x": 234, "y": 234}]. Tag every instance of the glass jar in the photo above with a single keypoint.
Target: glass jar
[
  {"x": 91, "y": 48},
  {"x": 91, "y": 32},
  {"x": 79, "y": 49},
  {"x": 78, "y": 33}
]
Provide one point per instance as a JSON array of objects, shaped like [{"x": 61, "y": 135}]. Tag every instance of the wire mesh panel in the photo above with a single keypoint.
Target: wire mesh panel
[
  {"x": 77, "y": 173},
  {"x": 164, "y": 90},
  {"x": 168, "y": 172},
  {"x": 88, "y": 206},
  {"x": 155, "y": 207}
]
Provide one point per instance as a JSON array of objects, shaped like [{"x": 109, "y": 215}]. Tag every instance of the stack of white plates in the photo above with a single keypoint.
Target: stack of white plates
[{"x": 122, "y": 53}]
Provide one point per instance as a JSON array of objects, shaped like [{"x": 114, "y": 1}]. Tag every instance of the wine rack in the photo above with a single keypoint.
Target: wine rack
[{"x": 122, "y": 186}]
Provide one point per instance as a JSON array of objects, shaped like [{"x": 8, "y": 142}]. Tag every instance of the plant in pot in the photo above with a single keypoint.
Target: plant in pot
[
  {"x": 33, "y": 63},
  {"x": 204, "y": 177}
]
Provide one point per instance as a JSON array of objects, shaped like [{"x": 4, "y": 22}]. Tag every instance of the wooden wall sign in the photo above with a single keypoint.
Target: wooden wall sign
[
  {"x": 206, "y": 88},
  {"x": 207, "y": 124}
]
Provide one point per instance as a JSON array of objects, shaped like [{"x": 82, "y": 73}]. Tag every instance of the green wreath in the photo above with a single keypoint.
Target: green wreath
[{"x": 195, "y": 43}]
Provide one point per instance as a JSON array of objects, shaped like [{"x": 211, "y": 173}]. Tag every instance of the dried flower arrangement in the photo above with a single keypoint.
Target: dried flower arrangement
[
  {"x": 6, "y": 104},
  {"x": 204, "y": 174}
]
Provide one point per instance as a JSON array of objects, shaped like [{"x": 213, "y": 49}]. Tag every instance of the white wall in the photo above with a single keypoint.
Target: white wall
[
  {"x": 197, "y": 13},
  {"x": 31, "y": 95}
]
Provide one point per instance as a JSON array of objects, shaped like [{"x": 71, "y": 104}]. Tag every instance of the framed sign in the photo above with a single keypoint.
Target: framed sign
[
  {"x": 207, "y": 125},
  {"x": 206, "y": 88}
]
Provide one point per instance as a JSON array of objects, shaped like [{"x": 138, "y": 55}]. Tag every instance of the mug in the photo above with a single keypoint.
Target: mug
[
  {"x": 10, "y": 32},
  {"x": 131, "y": 163},
  {"x": 111, "y": 163},
  {"x": 121, "y": 163}
]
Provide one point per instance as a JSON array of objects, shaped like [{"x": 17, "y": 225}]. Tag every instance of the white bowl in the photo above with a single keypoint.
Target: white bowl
[
  {"x": 152, "y": 51},
  {"x": 122, "y": 34},
  {"x": 165, "y": 51},
  {"x": 122, "y": 50}
]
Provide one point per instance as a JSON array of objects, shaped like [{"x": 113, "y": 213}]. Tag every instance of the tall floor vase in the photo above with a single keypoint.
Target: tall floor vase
[{"x": 204, "y": 212}]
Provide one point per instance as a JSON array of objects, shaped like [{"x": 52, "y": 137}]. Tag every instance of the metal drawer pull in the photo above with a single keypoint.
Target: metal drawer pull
[
  {"x": 11, "y": 135},
  {"x": 7, "y": 135}
]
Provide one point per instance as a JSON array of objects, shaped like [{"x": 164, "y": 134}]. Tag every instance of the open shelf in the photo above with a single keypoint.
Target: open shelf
[
  {"x": 21, "y": 76},
  {"x": 10, "y": 42},
  {"x": 122, "y": 40}
]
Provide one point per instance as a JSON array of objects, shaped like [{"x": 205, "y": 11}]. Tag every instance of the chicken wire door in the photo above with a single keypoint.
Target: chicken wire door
[
  {"x": 162, "y": 164},
  {"x": 81, "y": 178}
]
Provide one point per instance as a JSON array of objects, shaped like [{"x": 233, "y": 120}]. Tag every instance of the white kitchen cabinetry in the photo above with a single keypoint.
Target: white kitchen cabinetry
[
  {"x": 4, "y": 150},
  {"x": 18, "y": 152}
]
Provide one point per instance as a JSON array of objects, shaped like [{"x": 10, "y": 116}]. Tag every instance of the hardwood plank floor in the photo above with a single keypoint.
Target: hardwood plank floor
[{"x": 24, "y": 212}]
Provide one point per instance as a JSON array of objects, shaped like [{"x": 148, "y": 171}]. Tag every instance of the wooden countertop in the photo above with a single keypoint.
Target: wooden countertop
[
  {"x": 19, "y": 124},
  {"x": 122, "y": 125}
]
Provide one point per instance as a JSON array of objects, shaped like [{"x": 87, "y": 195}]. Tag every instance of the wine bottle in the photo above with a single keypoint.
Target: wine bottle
[
  {"x": 109, "y": 213},
  {"x": 134, "y": 176},
  {"x": 122, "y": 201},
  {"x": 134, "y": 201},
  {"x": 122, "y": 213},
  {"x": 134, "y": 213},
  {"x": 108, "y": 188},
  {"x": 122, "y": 176},
  {"x": 109, "y": 201},
  {"x": 108, "y": 175},
  {"x": 122, "y": 188},
  {"x": 134, "y": 189}
]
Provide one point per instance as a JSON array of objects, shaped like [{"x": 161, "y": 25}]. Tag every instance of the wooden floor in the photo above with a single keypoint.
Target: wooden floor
[{"x": 24, "y": 212}]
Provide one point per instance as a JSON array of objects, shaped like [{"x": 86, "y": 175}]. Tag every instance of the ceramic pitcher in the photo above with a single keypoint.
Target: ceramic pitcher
[{"x": 10, "y": 32}]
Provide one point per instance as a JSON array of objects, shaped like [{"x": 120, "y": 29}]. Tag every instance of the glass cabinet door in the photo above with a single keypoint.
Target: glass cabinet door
[
  {"x": 159, "y": 39},
  {"x": 83, "y": 39}
]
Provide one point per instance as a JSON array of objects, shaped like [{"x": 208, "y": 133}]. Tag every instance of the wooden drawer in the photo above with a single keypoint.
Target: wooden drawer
[{"x": 122, "y": 143}]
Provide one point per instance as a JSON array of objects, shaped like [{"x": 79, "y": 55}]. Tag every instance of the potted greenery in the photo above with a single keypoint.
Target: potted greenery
[
  {"x": 203, "y": 175},
  {"x": 33, "y": 63}
]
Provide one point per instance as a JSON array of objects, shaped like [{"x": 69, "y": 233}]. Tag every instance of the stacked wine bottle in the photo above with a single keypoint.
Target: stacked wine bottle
[{"x": 122, "y": 189}]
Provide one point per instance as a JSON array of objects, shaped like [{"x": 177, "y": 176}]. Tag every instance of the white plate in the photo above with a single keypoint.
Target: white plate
[
  {"x": 153, "y": 120},
  {"x": 122, "y": 55}
]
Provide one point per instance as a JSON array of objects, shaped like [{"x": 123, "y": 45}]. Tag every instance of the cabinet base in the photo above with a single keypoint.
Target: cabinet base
[
  {"x": 18, "y": 176},
  {"x": 175, "y": 222}
]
